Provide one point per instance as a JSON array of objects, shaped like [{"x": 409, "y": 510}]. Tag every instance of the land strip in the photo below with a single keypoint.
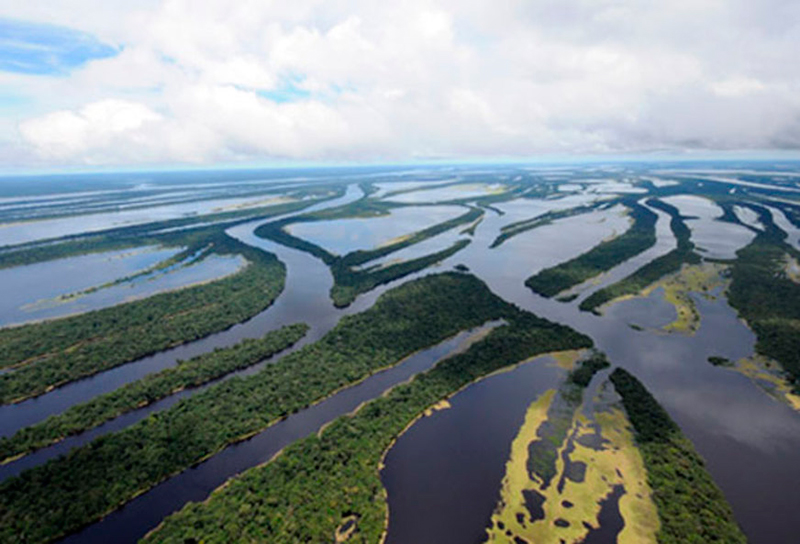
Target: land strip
[
  {"x": 338, "y": 490},
  {"x": 601, "y": 258},
  {"x": 690, "y": 505},
  {"x": 55, "y": 499},
  {"x": 133, "y": 396}
]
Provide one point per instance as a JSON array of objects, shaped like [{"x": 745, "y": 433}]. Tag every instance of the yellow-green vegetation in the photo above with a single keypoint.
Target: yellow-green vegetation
[
  {"x": 597, "y": 455},
  {"x": 655, "y": 269},
  {"x": 691, "y": 507},
  {"x": 439, "y": 406},
  {"x": 769, "y": 300},
  {"x": 768, "y": 375},
  {"x": 701, "y": 278},
  {"x": 517, "y": 478},
  {"x": 346, "y": 529},
  {"x": 792, "y": 269},
  {"x": 636, "y": 506},
  {"x": 493, "y": 189},
  {"x": 470, "y": 230},
  {"x": 307, "y": 493},
  {"x": 567, "y": 359}
]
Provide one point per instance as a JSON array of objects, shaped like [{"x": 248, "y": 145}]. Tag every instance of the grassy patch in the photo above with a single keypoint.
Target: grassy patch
[
  {"x": 690, "y": 505},
  {"x": 305, "y": 493},
  {"x": 655, "y": 269},
  {"x": 593, "y": 455},
  {"x": 769, "y": 300}
]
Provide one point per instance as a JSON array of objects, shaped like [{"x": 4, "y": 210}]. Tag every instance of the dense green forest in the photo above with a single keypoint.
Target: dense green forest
[
  {"x": 655, "y": 269},
  {"x": 349, "y": 282},
  {"x": 192, "y": 373},
  {"x": 51, "y": 500},
  {"x": 601, "y": 258},
  {"x": 52, "y": 353},
  {"x": 690, "y": 505},
  {"x": 583, "y": 374},
  {"x": 769, "y": 300},
  {"x": 321, "y": 482}
]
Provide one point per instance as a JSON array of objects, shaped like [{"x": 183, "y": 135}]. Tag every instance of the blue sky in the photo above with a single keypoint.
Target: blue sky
[
  {"x": 109, "y": 83},
  {"x": 42, "y": 49}
]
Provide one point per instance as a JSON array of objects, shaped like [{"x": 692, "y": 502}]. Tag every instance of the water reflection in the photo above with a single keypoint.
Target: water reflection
[
  {"x": 24, "y": 285},
  {"x": 114, "y": 289},
  {"x": 443, "y": 474},
  {"x": 756, "y": 431},
  {"x": 651, "y": 312},
  {"x": 341, "y": 236},
  {"x": 715, "y": 239},
  {"x": 304, "y": 298},
  {"x": 455, "y": 192},
  {"x": 147, "y": 510}
]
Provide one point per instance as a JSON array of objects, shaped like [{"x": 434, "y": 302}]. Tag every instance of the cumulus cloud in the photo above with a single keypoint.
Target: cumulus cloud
[{"x": 209, "y": 81}]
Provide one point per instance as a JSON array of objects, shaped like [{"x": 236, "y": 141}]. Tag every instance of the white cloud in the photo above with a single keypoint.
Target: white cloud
[{"x": 412, "y": 79}]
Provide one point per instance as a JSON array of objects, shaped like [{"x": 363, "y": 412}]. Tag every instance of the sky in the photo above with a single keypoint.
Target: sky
[{"x": 108, "y": 83}]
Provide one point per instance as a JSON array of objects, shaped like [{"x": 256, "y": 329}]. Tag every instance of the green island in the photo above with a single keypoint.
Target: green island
[
  {"x": 518, "y": 227},
  {"x": 655, "y": 269},
  {"x": 350, "y": 282},
  {"x": 52, "y": 500},
  {"x": 764, "y": 294},
  {"x": 690, "y": 505},
  {"x": 716, "y": 360},
  {"x": 601, "y": 258},
  {"x": 187, "y": 374},
  {"x": 327, "y": 487},
  {"x": 52, "y": 353}
]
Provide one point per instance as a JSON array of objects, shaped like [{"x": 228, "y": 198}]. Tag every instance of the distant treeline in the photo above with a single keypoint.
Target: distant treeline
[
  {"x": 518, "y": 227},
  {"x": 155, "y": 233},
  {"x": 768, "y": 299},
  {"x": 350, "y": 282}
]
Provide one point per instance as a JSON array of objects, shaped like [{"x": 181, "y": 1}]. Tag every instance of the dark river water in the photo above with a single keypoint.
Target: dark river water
[
  {"x": 751, "y": 442},
  {"x": 304, "y": 298},
  {"x": 146, "y": 511},
  {"x": 444, "y": 474}
]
